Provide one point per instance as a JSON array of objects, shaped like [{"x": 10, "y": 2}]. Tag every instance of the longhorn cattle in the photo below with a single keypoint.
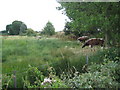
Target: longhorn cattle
[
  {"x": 94, "y": 41},
  {"x": 83, "y": 38}
]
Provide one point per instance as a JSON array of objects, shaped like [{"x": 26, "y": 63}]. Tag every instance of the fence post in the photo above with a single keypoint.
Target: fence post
[
  {"x": 14, "y": 78},
  {"x": 87, "y": 59}
]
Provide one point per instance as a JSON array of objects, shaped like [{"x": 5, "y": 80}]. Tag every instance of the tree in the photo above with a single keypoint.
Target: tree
[
  {"x": 97, "y": 19},
  {"x": 48, "y": 29},
  {"x": 16, "y": 28},
  {"x": 79, "y": 14}
]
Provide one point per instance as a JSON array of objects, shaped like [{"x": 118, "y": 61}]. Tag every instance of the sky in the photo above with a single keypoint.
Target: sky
[{"x": 34, "y": 13}]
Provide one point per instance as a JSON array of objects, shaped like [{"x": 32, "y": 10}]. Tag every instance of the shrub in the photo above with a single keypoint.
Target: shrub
[
  {"x": 35, "y": 79},
  {"x": 113, "y": 54},
  {"x": 7, "y": 81},
  {"x": 98, "y": 76}
]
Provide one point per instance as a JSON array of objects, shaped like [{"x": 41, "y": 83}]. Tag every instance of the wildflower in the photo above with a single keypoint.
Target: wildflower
[{"x": 47, "y": 80}]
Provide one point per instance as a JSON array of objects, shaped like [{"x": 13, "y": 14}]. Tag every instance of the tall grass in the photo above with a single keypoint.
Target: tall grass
[{"x": 18, "y": 53}]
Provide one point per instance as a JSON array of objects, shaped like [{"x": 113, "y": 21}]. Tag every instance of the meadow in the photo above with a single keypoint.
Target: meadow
[{"x": 19, "y": 53}]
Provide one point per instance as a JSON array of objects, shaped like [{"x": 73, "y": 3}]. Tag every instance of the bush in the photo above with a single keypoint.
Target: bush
[
  {"x": 7, "y": 81},
  {"x": 35, "y": 79},
  {"x": 113, "y": 54},
  {"x": 30, "y": 32},
  {"x": 110, "y": 53},
  {"x": 98, "y": 76}
]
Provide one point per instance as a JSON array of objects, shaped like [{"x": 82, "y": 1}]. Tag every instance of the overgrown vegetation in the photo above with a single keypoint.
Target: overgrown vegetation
[
  {"x": 103, "y": 75},
  {"x": 31, "y": 59},
  {"x": 58, "y": 61}
]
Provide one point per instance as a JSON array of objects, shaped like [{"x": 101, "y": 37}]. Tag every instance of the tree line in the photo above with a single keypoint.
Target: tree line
[{"x": 20, "y": 28}]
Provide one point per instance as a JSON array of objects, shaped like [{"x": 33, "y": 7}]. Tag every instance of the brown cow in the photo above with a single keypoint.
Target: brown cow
[
  {"x": 93, "y": 42},
  {"x": 83, "y": 38}
]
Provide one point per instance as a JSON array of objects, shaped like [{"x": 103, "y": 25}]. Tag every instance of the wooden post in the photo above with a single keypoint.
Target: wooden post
[
  {"x": 87, "y": 59},
  {"x": 14, "y": 78},
  {"x": 86, "y": 65}
]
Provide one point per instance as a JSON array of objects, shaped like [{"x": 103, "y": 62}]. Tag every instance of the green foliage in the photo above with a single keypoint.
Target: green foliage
[
  {"x": 48, "y": 29},
  {"x": 30, "y": 32},
  {"x": 7, "y": 81},
  {"x": 96, "y": 18},
  {"x": 33, "y": 77},
  {"x": 16, "y": 28},
  {"x": 98, "y": 76},
  {"x": 9, "y": 29},
  {"x": 112, "y": 54},
  {"x": 23, "y": 29},
  {"x": 57, "y": 83},
  {"x": 67, "y": 28}
]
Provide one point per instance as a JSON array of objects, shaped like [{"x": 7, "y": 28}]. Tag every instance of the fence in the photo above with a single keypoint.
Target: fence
[{"x": 14, "y": 77}]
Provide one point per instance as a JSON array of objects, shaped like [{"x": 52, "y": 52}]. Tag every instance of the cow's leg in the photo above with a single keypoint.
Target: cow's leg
[
  {"x": 91, "y": 47},
  {"x": 94, "y": 49},
  {"x": 102, "y": 46}
]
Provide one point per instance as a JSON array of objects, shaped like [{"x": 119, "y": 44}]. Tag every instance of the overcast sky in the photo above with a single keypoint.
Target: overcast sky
[{"x": 34, "y": 13}]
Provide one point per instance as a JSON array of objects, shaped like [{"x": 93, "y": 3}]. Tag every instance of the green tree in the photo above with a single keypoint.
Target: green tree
[
  {"x": 16, "y": 28},
  {"x": 95, "y": 18},
  {"x": 48, "y": 29}
]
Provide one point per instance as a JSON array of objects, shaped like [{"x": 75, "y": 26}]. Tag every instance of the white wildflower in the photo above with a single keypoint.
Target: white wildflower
[{"x": 46, "y": 80}]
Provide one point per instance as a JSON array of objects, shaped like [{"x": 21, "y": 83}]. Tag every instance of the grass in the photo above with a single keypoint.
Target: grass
[{"x": 20, "y": 52}]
